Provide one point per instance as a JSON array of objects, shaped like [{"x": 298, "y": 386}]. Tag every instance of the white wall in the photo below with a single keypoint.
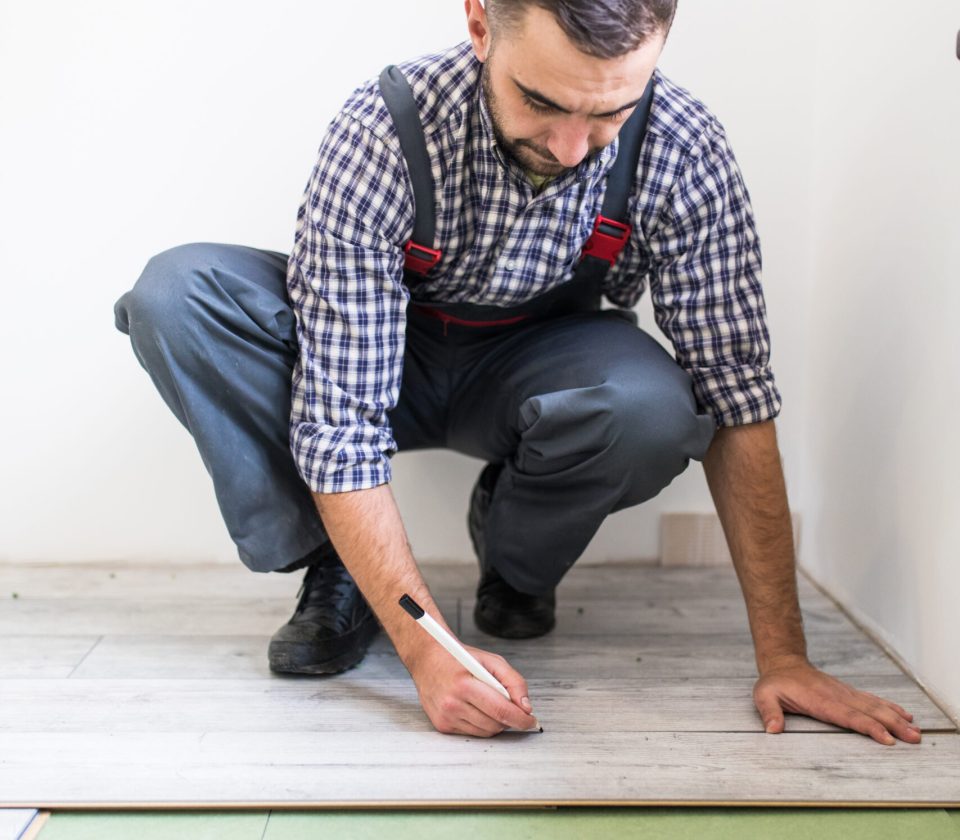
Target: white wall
[
  {"x": 132, "y": 128},
  {"x": 136, "y": 127},
  {"x": 881, "y": 380}
]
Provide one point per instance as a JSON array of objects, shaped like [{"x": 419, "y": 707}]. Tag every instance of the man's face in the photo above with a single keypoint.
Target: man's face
[{"x": 538, "y": 63}]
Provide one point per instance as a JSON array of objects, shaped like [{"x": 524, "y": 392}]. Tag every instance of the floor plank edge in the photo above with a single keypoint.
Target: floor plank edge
[{"x": 479, "y": 804}]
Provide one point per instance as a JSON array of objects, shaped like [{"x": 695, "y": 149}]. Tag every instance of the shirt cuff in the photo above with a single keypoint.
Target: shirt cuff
[
  {"x": 736, "y": 396},
  {"x": 336, "y": 459}
]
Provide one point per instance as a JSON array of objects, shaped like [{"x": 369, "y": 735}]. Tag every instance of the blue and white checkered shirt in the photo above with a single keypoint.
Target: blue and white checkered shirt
[{"x": 503, "y": 242}]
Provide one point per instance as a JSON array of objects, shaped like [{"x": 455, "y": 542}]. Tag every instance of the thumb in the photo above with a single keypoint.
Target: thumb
[{"x": 770, "y": 711}]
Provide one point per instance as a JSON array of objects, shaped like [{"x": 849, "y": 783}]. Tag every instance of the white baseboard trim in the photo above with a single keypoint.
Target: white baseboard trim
[
  {"x": 697, "y": 539},
  {"x": 877, "y": 635}
]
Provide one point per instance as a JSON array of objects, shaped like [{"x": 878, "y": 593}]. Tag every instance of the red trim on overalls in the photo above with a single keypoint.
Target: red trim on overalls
[
  {"x": 452, "y": 319},
  {"x": 606, "y": 241}
]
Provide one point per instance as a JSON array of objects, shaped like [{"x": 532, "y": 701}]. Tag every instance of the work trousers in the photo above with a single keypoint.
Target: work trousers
[{"x": 586, "y": 413}]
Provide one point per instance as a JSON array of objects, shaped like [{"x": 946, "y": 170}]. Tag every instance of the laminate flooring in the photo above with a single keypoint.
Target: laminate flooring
[{"x": 146, "y": 686}]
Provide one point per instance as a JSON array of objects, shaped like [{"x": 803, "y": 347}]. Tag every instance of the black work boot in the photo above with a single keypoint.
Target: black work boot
[
  {"x": 332, "y": 626},
  {"x": 500, "y": 609}
]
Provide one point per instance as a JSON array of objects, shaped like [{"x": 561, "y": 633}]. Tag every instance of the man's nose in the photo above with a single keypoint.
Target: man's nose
[{"x": 569, "y": 144}]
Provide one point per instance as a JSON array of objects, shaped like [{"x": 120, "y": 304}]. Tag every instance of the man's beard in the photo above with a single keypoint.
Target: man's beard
[{"x": 522, "y": 152}]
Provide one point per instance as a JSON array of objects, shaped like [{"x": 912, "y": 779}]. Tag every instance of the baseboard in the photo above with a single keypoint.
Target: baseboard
[
  {"x": 878, "y": 636},
  {"x": 697, "y": 539}
]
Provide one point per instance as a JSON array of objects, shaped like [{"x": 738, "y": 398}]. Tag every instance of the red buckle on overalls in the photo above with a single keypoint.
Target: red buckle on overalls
[
  {"x": 607, "y": 239},
  {"x": 419, "y": 258}
]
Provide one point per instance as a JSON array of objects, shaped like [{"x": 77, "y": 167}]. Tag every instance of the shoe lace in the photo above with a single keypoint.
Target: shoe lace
[{"x": 333, "y": 583}]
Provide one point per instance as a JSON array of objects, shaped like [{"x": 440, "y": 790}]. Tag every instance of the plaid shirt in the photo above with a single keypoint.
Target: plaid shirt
[{"x": 503, "y": 242}]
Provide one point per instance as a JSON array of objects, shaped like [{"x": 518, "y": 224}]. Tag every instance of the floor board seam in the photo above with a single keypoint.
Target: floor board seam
[{"x": 83, "y": 659}]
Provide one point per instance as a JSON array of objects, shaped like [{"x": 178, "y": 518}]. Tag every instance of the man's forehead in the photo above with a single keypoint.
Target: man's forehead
[
  {"x": 543, "y": 99},
  {"x": 553, "y": 84},
  {"x": 539, "y": 56}
]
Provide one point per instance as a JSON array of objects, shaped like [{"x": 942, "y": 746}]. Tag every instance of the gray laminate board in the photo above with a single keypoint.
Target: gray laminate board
[
  {"x": 53, "y": 657},
  {"x": 188, "y": 616},
  {"x": 553, "y": 767},
  {"x": 357, "y": 700},
  {"x": 149, "y": 687},
  {"x": 163, "y": 582}
]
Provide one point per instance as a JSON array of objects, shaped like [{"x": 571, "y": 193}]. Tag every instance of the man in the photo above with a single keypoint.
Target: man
[{"x": 498, "y": 350}]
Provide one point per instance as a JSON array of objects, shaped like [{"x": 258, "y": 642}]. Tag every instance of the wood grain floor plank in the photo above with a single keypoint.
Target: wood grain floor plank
[
  {"x": 679, "y": 615},
  {"x": 245, "y": 616},
  {"x": 355, "y": 701},
  {"x": 551, "y": 656},
  {"x": 552, "y": 767},
  {"x": 144, "y": 581},
  {"x": 187, "y": 616},
  {"x": 51, "y": 657},
  {"x": 152, "y": 685},
  {"x": 164, "y": 582}
]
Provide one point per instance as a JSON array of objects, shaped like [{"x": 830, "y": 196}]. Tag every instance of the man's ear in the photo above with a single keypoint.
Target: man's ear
[{"x": 478, "y": 28}]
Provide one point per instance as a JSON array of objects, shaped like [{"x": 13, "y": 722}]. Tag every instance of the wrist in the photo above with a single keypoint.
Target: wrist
[
  {"x": 784, "y": 660},
  {"x": 416, "y": 646},
  {"x": 417, "y": 656}
]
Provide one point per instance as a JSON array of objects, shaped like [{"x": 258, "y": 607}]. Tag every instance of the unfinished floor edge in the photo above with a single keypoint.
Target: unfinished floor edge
[
  {"x": 481, "y": 805},
  {"x": 35, "y": 826}
]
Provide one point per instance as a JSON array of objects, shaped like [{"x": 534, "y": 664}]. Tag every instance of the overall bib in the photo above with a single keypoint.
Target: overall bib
[{"x": 585, "y": 412}]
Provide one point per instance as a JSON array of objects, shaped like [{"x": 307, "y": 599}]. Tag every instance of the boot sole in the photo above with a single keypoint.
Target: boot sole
[{"x": 328, "y": 657}]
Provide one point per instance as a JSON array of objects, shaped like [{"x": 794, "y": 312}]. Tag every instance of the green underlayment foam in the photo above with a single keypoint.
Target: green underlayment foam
[{"x": 560, "y": 824}]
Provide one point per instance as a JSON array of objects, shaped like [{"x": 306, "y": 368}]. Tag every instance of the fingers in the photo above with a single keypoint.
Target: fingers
[
  {"x": 473, "y": 708},
  {"x": 511, "y": 679},
  {"x": 474, "y": 720},
  {"x": 876, "y": 724},
  {"x": 455, "y": 716},
  {"x": 811, "y": 692},
  {"x": 497, "y": 709},
  {"x": 892, "y": 720},
  {"x": 895, "y": 720},
  {"x": 458, "y": 703},
  {"x": 898, "y": 709},
  {"x": 469, "y": 726}
]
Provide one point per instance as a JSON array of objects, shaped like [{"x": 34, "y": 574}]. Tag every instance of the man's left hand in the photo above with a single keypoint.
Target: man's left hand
[{"x": 799, "y": 688}]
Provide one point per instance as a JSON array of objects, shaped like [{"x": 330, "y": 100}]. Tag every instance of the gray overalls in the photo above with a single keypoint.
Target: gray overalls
[{"x": 586, "y": 413}]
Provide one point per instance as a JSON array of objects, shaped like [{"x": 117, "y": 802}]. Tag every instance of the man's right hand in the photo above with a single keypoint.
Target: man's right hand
[
  {"x": 365, "y": 528},
  {"x": 457, "y": 703}
]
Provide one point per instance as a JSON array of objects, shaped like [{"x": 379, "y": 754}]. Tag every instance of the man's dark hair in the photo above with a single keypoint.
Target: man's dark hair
[{"x": 601, "y": 28}]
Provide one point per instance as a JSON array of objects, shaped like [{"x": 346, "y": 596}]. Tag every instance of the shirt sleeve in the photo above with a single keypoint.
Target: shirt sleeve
[
  {"x": 345, "y": 282},
  {"x": 705, "y": 286}
]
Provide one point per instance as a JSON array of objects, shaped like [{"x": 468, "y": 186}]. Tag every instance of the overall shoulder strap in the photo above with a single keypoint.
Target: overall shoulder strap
[
  {"x": 395, "y": 89},
  {"x": 611, "y": 228}
]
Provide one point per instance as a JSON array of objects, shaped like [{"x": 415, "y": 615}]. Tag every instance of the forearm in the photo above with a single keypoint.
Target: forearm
[
  {"x": 745, "y": 477},
  {"x": 368, "y": 534}
]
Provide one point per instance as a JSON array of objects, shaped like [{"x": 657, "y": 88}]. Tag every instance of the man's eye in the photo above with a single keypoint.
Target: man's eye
[
  {"x": 618, "y": 115},
  {"x": 533, "y": 105}
]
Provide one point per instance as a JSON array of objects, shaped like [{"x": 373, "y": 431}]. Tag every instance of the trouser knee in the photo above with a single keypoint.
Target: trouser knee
[
  {"x": 159, "y": 301},
  {"x": 657, "y": 430},
  {"x": 211, "y": 325},
  {"x": 638, "y": 435}
]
